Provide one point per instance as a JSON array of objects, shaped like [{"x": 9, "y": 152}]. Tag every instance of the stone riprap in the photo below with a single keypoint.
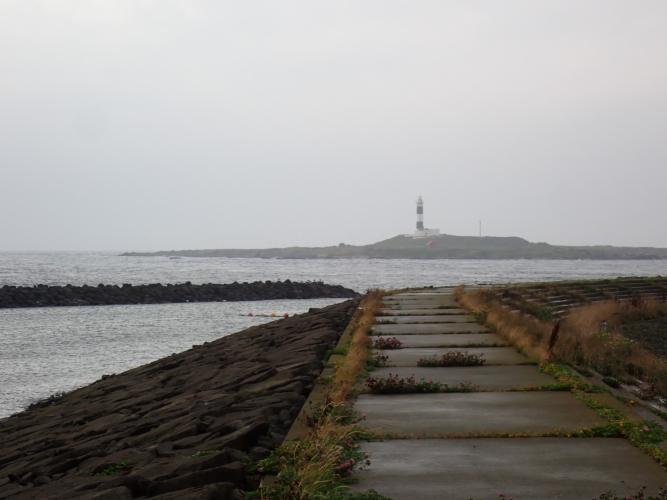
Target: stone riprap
[
  {"x": 181, "y": 427},
  {"x": 157, "y": 293}
]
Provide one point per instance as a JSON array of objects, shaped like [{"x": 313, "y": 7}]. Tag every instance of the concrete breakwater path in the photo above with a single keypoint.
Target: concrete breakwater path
[{"x": 497, "y": 439}]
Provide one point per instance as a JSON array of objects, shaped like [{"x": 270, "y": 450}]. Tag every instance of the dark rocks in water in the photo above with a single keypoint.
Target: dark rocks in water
[
  {"x": 157, "y": 293},
  {"x": 181, "y": 427}
]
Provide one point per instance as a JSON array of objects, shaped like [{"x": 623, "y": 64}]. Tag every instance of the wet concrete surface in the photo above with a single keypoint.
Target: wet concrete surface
[
  {"x": 415, "y": 306},
  {"x": 522, "y": 469},
  {"x": 441, "y": 299},
  {"x": 475, "y": 413},
  {"x": 417, "y": 328},
  {"x": 483, "y": 468},
  {"x": 441, "y": 318},
  {"x": 451, "y": 340},
  {"x": 484, "y": 378},
  {"x": 492, "y": 355}
]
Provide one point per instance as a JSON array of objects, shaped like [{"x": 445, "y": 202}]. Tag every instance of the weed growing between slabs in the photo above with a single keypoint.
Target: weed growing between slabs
[
  {"x": 453, "y": 358},
  {"x": 644, "y": 434},
  {"x": 377, "y": 360},
  {"x": 393, "y": 384},
  {"x": 387, "y": 343},
  {"x": 567, "y": 377}
]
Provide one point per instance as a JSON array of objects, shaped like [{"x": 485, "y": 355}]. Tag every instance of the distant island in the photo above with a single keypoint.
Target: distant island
[{"x": 439, "y": 246}]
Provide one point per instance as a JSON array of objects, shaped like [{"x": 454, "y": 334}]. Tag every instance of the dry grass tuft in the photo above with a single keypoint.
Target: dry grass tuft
[
  {"x": 588, "y": 336},
  {"x": 318, "y": 464},
  {"x": 529, "y": 335},
  {"x": 359, "y": 350},
  {"x": 585, "y": 339}
]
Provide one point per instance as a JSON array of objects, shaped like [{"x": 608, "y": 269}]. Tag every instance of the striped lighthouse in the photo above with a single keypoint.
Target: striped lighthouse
[
  {"x": 421, "y": 231},
  {"x": 420, "y": 214}
]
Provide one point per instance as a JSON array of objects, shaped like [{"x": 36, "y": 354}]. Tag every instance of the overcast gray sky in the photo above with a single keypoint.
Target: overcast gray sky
[{"x": 156, "y": 124}]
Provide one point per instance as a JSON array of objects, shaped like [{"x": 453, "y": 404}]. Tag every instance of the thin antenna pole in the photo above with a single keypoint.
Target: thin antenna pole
[{"x": 480, "y": 228}]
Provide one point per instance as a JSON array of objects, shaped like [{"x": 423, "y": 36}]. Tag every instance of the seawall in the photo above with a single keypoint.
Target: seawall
[
  {"x": 181, "y": 427},
  {"x": 157, "y": 293}
]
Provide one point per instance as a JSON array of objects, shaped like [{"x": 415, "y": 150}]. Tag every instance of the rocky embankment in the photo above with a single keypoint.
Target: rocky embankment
[
  {"x": 48, "y": 296},
  {"x": 181, "y": 427}
]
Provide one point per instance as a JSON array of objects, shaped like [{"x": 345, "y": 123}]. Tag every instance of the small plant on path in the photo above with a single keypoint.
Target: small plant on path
[
  {"x": 379, "y": 359},
  {"x": 387, "y": 343},
  {"x": 393, "y": 384},
  {"x": 453, "y": 358}
]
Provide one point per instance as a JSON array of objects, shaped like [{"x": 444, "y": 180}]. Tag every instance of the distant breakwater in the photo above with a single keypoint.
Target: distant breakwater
[{"x": 157, "y": 293}]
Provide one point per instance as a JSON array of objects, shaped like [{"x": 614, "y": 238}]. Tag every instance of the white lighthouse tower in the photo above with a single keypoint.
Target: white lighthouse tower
[
  {"x": 421, "y": 231},
  {"x": 420, "y": 214}
]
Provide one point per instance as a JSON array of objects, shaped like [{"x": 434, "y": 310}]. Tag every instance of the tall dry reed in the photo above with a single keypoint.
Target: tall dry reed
[
  {"x": 358, "y": 351},
  {"x": 528, "y": 334},
  {"x": 589, "y": 336}
]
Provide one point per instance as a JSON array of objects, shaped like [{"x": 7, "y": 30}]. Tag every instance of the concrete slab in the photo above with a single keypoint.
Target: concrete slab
[
  {"x": 417, "y": 306},
  {"x": 523, "y": 469},
  {"x": 420, "y": 312},
  {"x": 436, "y": 318},
  {"x": 432, "y": 415},
  {"x": 485, "y": 378},
  {"x": 452, "y": 340},
  {"x": 424, "y": 293},
  {"x": 493, "y": 355},
  {"x": 444, "y": 300},
  {"x": 422, "y": 302},
  {"x": 427, "y": 329}
]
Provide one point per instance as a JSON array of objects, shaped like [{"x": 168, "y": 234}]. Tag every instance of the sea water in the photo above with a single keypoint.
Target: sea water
[{"x": 46, "y": 350}]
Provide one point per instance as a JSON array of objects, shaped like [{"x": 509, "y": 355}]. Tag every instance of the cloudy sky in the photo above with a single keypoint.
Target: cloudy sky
[{"x": 157, "y": 124}]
